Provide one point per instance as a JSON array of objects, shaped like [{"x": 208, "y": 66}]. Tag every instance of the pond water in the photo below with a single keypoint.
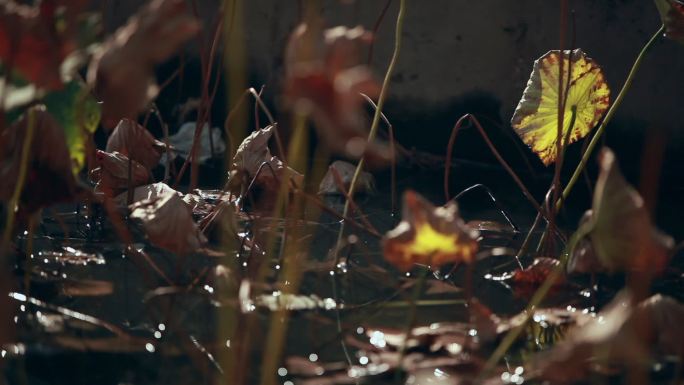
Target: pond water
[{"x": 87, "y": 311}]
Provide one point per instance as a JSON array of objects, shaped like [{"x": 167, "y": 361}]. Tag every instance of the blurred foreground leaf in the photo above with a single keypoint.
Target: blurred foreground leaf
[
  {"x": 429, "y": 235},
  {"x": 78, "y": 113},
  {"x": 672, "y": 15}
]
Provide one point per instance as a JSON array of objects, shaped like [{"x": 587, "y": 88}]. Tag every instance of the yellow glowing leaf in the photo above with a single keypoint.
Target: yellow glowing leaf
[
  {"x": 536, "y": 118},
  {"x": 429, "y": 235}
]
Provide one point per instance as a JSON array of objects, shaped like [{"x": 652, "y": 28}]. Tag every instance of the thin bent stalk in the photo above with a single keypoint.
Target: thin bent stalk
[
  {"x": 393, "y": 152},
  {"x": 376, "y": 117},
  {"x": 609, "y": 115}
]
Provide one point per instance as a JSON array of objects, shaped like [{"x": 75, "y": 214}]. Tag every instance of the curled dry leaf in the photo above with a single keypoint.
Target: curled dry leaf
[
  {"x": 49, "y": 177},
  {"x": 221, "y": 221},
  {"x": 526, "y": 282},
  {"x": 536, "y": 118},
  {"x": 168, "y": 223},
  {"x": 672, "y": 15},
  {"x": 122, "y": 70},
  {"x": 112, "y": 174},
  {"x": 150, "y": 191},
  {"x": 253, "y": 159},
  {"x": 324, "y": 78},
  {"x": 429, "y": 235},
  {"x": 621, "y": 335},
  {"x": 340, "y": 173},
  {"x": 619, "y": 226},
  {"x": 31, "y": 42},
  {"x": 134, "y": 141}
]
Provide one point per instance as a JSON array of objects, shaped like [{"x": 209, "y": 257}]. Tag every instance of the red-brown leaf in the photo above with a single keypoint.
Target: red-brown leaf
[{"x": 122, "y": 70}]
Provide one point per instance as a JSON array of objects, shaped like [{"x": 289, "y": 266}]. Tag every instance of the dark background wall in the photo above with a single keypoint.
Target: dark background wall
[{"x": 464, "y": 56}]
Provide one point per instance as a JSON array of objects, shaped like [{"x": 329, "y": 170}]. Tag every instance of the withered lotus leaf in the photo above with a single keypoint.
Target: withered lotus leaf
[
  {"x": 620, "y": 228},
  {"x": 253, "y": 154},
  {"x": 536, "y": 118},
  {"x": 168, "y": 223},
  {"x": 330, "y": 184},
  {"x": 622, "y": 334},
  {"x": 672, "y": 15},
  {"x": 429, "y": 235},
  {"x": 112, "y": 174},
  {"x": 150, "y": 191},
  {"x": 134, "y": 141},
  {"x": 324, "y": 78},
  {"x": 526, "y": 282},
  {"x": 253, "y": 151},
  {"x": 49, "y": 177},
  {"x": 122, "y": 70}
]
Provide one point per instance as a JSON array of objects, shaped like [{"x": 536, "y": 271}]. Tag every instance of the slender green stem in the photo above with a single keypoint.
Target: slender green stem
[
  {"x": 609, "y": 115},
  {"x": 417, "y": 292},
  {"x": 21, "y": 178},
  {"x": 376, "y": 117}
]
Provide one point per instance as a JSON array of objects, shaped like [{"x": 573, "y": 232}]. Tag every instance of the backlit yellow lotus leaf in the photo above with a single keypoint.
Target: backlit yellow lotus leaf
[
  {"x": 672, "y": 14},
  {"x": 429, "y": 235},
  {"x": 536, "y": 118}
]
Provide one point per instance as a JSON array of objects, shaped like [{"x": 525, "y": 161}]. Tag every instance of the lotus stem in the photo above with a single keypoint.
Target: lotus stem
[
  {"x": 609, "y": 115},
  {"x": 21, "y": 179},
  {"x": 376, "y": 117},
  {"x": 415, "y": 296}
]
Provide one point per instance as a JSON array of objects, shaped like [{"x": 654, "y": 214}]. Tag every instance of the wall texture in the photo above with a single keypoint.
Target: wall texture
[{"x": 453, "y": 48}]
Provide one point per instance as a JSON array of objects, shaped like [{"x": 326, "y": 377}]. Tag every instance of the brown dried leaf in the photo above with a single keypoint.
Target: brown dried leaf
[
  {"x": 619, "y": 227},
  {"x": 150, "y": 191},
  {"x": 112, "y": 174},
  {"x": 621, "y": 335},
  {"x": 252, "y": 153},
  {"x": 168, "y": 223},
  {"x": 134, "y": 141},
  {"x": 49, "y": 177},
  {"x": 526, "y": 282},
  {"x": 122, "y": 70},
  {"x": 672, "y": 15},
  {"x": 324, "y": 77},
  {"x": 345, "y": 172},
  {"x": 429, "y": 235}
]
